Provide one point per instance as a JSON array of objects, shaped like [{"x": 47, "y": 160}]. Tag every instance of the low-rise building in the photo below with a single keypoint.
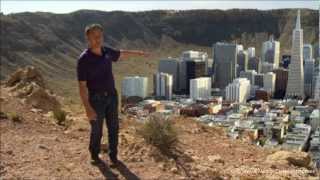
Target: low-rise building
[
  {"x": 200, "y": 88},
  {"x": 315, "y": 119},
  {"x": 298, "y": 137},
  {"x": 135, "y": 86}
]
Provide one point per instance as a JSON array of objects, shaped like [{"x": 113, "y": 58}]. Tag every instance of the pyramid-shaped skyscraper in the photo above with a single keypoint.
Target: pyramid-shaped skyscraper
[{"x": 295, "y": 86}]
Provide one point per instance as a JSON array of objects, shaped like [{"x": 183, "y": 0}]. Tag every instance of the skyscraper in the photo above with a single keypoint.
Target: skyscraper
[
  {"x": 307, "y": 52},
  {"x": 163, "y": 85},
  {"x": 316, "y": 52},
  {"x": 267, "y": 67},
  {"x": 193, "y": 64},
  {"x": 285, "y": 61},
  {"x": 239, "y": 48},
  {"x": 190, "y": 69},
  {"x": 269, "y": 82},
  {"x": 295, "y": 87},
  {"x": 171, "y": 66},
  {"x": 308, "y": 76},
  {"x": 281, "y": 82},
  {"x": 254, "y": 64},
  {"x": 195, "y": 69},
  {"x": 316, "y": 85},
  {"x": 238, "y": 90},
  {"x": 242, "y": 61},
  {"x": 251, "y": 52},
  {"x": 271, "y": 52},
  {"x": 225, "y": 60},
  {"x": 258, "y": 80},
  {"x": 249, "y": 74}
]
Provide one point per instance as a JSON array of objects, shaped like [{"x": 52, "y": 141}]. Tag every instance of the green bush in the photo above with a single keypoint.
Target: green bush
[
  {"x": 60, "y": 116},
  {"x": 3, "y": 115},
  {"x": 15, "y": 117},
  {"x": 159, "y": 132}
]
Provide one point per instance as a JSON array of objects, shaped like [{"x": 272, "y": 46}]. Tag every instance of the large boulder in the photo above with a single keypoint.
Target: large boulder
[
  {"x": 42, "y": 98},
  {"x": 300, "y": 159},
  {"x": 28, "y": 83},
  {"x": 23, "y": 76}
]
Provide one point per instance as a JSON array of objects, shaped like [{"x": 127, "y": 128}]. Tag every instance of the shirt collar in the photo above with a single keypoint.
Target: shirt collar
[{"x": 102, "y": 50}]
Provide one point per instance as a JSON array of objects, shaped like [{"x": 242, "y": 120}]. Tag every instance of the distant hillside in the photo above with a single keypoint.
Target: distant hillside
[{"x": 52, "y": 42}]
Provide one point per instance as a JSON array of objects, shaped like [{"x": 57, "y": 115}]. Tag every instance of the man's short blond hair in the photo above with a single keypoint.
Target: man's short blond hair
[{"x": 92, "y": 27}]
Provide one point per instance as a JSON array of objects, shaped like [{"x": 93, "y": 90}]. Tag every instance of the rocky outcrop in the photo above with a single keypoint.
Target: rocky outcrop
[
  {"x": 24, "y": 76},
  {"x": 42, "y": 98},
  {"x": 28, "y": 83},
  {"x": 300, "y": 159}
]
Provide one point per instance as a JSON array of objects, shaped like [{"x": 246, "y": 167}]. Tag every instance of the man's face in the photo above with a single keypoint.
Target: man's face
[{"x": 95, "y": 38}]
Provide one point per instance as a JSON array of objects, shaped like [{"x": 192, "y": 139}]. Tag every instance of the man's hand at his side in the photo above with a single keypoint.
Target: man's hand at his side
[{"x": 91, "y": 114}]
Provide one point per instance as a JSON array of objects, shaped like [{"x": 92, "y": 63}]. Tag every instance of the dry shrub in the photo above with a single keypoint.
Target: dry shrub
[{"x": 160, "y": 132}]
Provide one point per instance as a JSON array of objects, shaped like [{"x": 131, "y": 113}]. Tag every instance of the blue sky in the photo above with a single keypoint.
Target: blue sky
[{"x": 70, "y": 6}]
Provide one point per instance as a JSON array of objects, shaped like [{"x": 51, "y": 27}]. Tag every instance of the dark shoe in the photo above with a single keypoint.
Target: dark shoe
[
  {"x": 95, "y": 159},
  {"x": 114, "y": 162}
]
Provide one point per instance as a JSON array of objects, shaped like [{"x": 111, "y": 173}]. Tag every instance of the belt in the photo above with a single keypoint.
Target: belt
[{"x": 105, "y": 93}]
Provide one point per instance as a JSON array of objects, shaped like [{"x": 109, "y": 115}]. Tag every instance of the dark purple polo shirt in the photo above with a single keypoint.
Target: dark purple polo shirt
[{"x": 97, "y": 70}]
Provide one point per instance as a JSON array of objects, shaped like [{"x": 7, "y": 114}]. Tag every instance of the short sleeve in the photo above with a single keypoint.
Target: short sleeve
[
  {"x": 113, "y": 54},
  {"x": 81, "y": 70}
]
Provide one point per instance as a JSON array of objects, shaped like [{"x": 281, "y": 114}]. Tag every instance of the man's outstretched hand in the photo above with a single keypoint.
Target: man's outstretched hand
[
  {"x": 132, "y": 53},
  {"x": 143, "y": 53}
]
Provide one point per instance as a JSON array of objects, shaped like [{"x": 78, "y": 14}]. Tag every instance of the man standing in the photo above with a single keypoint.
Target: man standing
[{"x": 97, "y": 89}]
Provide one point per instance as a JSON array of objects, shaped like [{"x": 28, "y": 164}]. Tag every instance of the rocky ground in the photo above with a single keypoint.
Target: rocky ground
[{"x": 34, "y": 146}]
